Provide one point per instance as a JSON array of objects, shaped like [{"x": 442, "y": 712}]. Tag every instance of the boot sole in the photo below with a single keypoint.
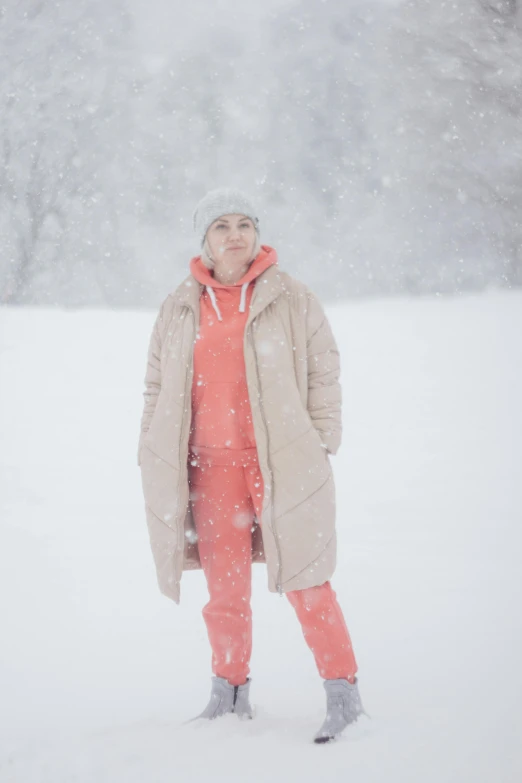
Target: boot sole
[{"x": 323, "y": 740}]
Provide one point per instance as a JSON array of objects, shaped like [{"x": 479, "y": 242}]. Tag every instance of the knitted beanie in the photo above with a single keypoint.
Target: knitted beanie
[{"x": 219, "y": 202}]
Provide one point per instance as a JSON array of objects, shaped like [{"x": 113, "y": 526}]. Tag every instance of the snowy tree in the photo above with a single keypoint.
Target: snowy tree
[
  {"x": 322, "y": 155},
  {"x": 383, "y": 142},
  {"x": 450, "y": 125},
  {"x": 64, "y": 147}
]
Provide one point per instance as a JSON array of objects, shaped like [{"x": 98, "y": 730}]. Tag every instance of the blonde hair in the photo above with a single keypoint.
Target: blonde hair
[{"x": 209, "y": 261}]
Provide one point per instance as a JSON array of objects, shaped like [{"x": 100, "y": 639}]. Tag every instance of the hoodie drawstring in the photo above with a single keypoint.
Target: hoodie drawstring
[
  {"x": 212, "y": 295},
  {"x": 242, "y": 301}
]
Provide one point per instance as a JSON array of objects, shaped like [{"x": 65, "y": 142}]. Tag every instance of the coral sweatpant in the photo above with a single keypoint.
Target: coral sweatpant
[{"x": 224, "y": 501}]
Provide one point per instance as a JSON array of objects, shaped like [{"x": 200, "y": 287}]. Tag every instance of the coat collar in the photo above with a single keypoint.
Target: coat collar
[
  {"x": 187, "y": 293},
  {"x": 269, "y": 285}
]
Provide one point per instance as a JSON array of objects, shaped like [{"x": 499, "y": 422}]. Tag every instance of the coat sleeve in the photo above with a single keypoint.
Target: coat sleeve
[
  {"x": 152, "y": 379},
  {"x": 324, "y": 388}
]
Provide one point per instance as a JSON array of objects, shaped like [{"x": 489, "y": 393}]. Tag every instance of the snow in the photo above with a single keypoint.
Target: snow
[{"x": 99, "y": 673}]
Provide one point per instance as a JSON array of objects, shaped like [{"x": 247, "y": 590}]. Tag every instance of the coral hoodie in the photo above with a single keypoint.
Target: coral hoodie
[{"x": 221, "y": 430}]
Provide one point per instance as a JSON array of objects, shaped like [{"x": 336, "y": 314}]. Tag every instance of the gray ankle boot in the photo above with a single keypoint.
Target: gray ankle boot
[
  {"x": 225, "y": 698},
  {"x": 343, "y": 706}
]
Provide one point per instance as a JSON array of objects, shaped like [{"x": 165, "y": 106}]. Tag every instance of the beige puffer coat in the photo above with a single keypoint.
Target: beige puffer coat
[{"x": 292, "y": 371}]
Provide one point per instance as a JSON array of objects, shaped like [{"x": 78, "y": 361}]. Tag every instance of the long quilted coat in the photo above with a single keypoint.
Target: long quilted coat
[{"x": 292, "y": 370}]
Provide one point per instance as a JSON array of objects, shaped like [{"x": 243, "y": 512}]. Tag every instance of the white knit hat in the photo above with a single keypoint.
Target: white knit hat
[{"x": 219, "y": 202}]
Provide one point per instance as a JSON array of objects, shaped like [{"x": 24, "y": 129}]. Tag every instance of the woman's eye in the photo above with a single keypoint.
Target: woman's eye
[{"x": 244, "y": 225}]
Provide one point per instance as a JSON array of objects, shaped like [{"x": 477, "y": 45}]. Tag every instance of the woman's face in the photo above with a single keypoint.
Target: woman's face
[{"x": 231, "y": 240}]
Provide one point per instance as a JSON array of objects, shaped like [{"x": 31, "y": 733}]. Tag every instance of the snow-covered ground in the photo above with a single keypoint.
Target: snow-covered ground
[{"x": 98, "y": 672}]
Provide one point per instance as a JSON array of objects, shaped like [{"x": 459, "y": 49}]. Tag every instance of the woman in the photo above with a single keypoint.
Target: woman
[{"x": 242, "y": 410}]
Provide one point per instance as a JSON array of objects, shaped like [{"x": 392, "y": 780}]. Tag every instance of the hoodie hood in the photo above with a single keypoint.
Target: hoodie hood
[{"x": 266, "y": 257}]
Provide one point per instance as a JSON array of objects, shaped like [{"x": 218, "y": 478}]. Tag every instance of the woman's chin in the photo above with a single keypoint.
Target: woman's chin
[{"x": 235, "y": 260}]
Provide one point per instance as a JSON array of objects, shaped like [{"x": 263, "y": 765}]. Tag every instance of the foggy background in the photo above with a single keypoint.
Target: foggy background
[{"x": 381, "y": 140}]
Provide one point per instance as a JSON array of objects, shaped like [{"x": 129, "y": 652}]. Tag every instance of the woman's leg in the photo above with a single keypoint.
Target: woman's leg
[
  {"x": 318, "y": 612},
  {"x": 223, "y": 516},
  {"x": 325, "y": 631}
]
